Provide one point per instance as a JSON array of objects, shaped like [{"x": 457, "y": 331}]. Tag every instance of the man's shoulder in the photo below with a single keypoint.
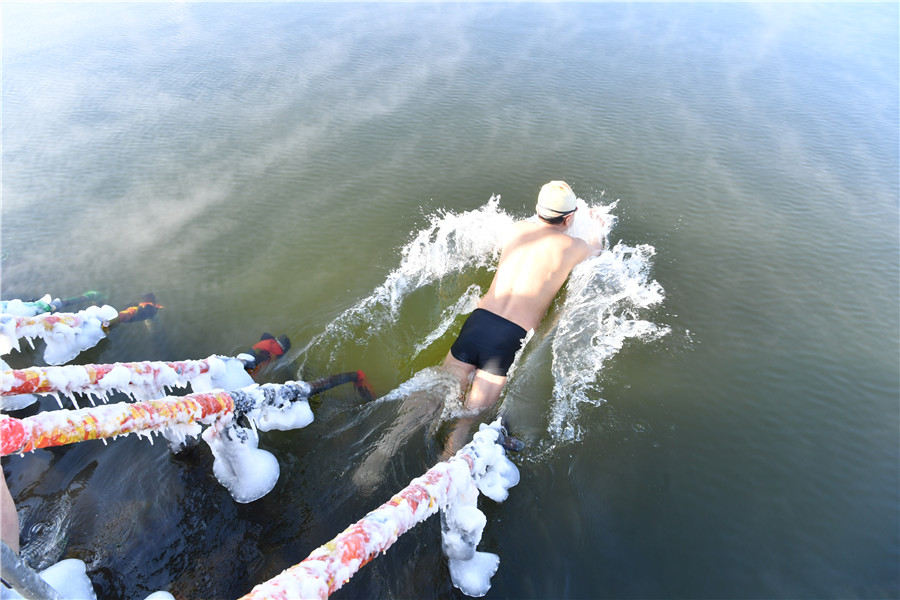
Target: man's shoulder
[{"x": 578, "y": 250}]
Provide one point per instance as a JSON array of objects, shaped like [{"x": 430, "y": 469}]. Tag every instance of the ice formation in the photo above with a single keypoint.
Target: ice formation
[
  {"x": 22, "y": 308},
  {"x": 246, "y": 471},
  {"x": 452, "y": 487},
  {"x": 294, "y": 415},
  {"x": 65, "y": 334},
  {"x": 493, "y": 473},
  {"x": 16, "y": 401},
  {"x": 68, "y": 577},
  {"x": 140, "y": 380},
  {"x": 224, "y": 373},
  {"x": 462, "y": 523}
]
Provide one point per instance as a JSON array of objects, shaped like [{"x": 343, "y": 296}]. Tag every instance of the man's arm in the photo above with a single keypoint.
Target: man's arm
[
  {"x": 584, "y": 249},
  {"x": 597, "y": 242}
]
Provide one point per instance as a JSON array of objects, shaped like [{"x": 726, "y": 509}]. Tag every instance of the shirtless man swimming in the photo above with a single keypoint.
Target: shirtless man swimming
[{"x": 534, "y": 264}]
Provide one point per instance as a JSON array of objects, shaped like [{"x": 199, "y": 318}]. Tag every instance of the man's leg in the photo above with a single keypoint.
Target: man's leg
[
  {"x": 483, "y": 394},
  {"x": 462, "y": 371},
  {"x": 485, "y": 390}
]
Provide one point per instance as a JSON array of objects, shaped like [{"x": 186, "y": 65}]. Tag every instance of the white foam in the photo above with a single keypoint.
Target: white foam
[
  {"x": 435, "y": 380},
  {"x": 466, "y": 304}
]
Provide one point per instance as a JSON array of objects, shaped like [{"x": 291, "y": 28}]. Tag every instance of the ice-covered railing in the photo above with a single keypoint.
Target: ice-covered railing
[
  {"x": 144, "y": 380},
  {"x": 452, "y": 487},
  {"x": 29, "y": 308},
  {"x": 248, "y": 472},
  {"x": 141, "y": 380},
  {"x": 65, "y": 334}
]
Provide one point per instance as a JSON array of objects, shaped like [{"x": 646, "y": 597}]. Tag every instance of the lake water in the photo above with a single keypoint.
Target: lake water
[{"x": 711, "y": 411}]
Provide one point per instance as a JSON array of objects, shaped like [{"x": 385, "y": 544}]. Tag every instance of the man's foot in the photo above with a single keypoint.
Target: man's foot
[{"x": 512, "y": 444}]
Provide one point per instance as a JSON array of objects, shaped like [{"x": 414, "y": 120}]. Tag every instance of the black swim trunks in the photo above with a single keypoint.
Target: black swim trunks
[{"x": 488, "y": 341}]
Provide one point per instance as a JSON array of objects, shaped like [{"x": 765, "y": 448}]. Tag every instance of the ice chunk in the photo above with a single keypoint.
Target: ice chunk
[
  {"x": 177, "y": 436},
  {"x": 494, "y": 474},
  {"x": 23, "y": 309},
  {"x": 225, "y": 373},
  {"x": 473, "y": 576},
  {"x": 461, "y": 529},
  {"x": 68, "y": 577},
  {"x": 9, "y": 341},
  {"x": 65, "y": 342},
  {"x": 8, "y": 403},
  {"x": 296, "y": 415},
  {"x": 246, "y": 471},
  {"x": 461, "y": 522}
]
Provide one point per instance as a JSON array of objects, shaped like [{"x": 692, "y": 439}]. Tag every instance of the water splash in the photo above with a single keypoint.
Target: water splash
[
  {"x": 603, "y": 306},
  {"x": 466, "y": 304},
  {"x": 605, "y": 300},
  {"x": 452, "y": 243}
]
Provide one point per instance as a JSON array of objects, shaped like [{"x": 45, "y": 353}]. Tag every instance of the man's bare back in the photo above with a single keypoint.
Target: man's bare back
[{"x": 534, "y": 264}]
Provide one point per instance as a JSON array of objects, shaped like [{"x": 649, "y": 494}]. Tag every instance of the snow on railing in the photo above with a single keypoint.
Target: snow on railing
[
  {"x": 248, "y": 472},
  {"x": 65, "y": 334},
  {"x": 142, "y": 380},
  {"x": 451, "y": 486},
  {"x": 29, "y": 308},
  {"x": 146, "y": 380}
]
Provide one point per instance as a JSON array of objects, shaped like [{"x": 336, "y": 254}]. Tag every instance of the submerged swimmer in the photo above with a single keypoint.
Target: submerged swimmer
[{"x": 534, "y": 264}]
